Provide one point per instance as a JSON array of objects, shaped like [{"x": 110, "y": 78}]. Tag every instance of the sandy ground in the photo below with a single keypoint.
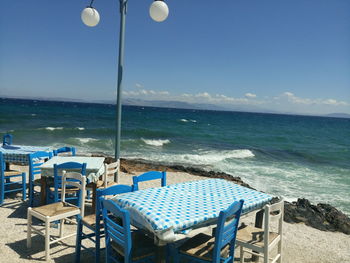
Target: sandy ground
[{"x": 300, "y": 243}]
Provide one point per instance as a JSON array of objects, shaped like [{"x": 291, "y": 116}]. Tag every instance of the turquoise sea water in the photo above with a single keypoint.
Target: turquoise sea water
[{"x": 292, "y": 156}]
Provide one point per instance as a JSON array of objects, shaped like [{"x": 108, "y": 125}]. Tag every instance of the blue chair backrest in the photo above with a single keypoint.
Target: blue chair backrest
[
  {"x": 101, "y": 193},
  {"x": 36, "y": 160},
  {"x": 77, "y": 167},
  {"x": 148, "y": 176},
  {"x": 64, "y": 150},
  {"x": 7, "y": 139},
  {"x": 227, "y": 230},
  {"x": 115, "y": 229}
]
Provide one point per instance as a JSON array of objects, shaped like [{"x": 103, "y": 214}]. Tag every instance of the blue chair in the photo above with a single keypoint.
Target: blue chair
[
  {"x": 64, "y": 150},
  {"x": 215, "y": 249},
  {"x": 54, "y": 192},
  {"x": 122, "y": 244},
  {"x": 6, "y": 186},
  {"x": 149, "y": 176},
  {"x": 7, "y": 139},
  {"x": 35, "y": 161},
  {"x": 94, "y": 222}
]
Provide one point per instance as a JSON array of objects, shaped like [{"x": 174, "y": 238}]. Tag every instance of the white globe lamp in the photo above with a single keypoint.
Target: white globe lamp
[
  {"x": 90, "y": 16},
  {"x": 159, "y": 11}
]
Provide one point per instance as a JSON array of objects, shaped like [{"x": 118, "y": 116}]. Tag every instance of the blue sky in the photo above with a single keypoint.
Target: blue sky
[{"x": 288, "y": 56}]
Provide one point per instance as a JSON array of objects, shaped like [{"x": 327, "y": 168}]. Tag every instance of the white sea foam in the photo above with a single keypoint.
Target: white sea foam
[
  {"x": 80, "y": 128},
  {"x": 203, "y": 157},
  {"x": 86, "y": 140},
  {"x": 213, "y": 157},
  {"x": 157, "y": 143},
  {"x": 53, "y": 128},
  {"x": 33, "y": 114},
  {"x": 185, "y": 120}
]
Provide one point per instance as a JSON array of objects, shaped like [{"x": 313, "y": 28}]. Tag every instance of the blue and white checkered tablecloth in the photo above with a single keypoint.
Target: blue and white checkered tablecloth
[
  {"x": 183, "y": 206},
  {"x": 19, "y": 153}
]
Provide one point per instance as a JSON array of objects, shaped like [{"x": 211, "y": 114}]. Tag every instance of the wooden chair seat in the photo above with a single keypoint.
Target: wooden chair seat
[
  {"x": 142, "y": 246},
  {"x": 11, "y": 173},
  {"x": 55, "y": 209},
  {"x": 90, "y": 220},
  {"x": 255, "y": 236},
  {"x": 68, "y": 190},
  {"x": 202, "y": 246}
]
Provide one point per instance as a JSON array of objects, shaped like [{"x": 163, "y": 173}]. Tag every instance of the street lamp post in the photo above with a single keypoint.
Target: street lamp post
[{"x": 159, "y": 12}]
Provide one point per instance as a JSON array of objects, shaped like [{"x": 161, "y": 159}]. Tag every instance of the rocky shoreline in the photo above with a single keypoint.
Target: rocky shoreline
[{"x": 321, "y": 216}]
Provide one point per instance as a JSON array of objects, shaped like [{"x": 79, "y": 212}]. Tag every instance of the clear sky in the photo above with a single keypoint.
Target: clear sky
[{"x": 289, "y": 56}]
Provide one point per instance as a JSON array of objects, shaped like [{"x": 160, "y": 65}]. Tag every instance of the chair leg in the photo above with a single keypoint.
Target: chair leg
[
  {"x": 97, "y": 247},
  {"x": 47, "y": 239},
  {"x": 176, "y": 257},
  {"x": 266, "y": 257},
  {"x": 31, "y": 194},
  {"x": 61, "y": 227},
  {"x": 29, "y": 228},
  {"x": 169, "y": 253},
  {"x": 24, "y": 194},
  {"x": 2, "y": 191},
  {"x": 78, "y": 241},
  {"x": 280, "y": 251},
  {"x": 241, "y": 252}
]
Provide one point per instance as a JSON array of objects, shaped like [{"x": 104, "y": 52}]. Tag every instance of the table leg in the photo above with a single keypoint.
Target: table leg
[
  {"x": 43, "y": 190},
  {"x": 160, "y": 254},
  {"x": 258, "y": 223}
]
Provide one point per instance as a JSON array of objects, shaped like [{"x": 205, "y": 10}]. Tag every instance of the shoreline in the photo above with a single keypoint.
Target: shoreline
[
  {"x": 321, "y": 216},
  {"x": 328, "y": 247}
]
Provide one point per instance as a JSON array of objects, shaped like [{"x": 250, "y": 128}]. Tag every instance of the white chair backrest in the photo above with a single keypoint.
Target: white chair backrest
[
  {"x": 110, "y": 170},
  {"x": 273, "y": 212},
  {"x": 79, "y": 182}
]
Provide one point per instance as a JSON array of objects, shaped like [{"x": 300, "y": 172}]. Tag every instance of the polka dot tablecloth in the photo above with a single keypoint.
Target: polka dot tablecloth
[
  {"x": 19, "y": 153},
  {"x": 177, "y": 208}
]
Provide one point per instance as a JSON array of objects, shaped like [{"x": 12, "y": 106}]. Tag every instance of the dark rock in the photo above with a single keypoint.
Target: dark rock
[{"x": 322, "y": 216}]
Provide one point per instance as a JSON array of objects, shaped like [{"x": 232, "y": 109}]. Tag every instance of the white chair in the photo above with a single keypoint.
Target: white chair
[
  {"x": 261, "y": 242},
  {"x": 57, "y": 211},
  {"x": 110, "y": 170},
  {"x": 107, "y": 180},
  {"x": 107, "y": 177}
]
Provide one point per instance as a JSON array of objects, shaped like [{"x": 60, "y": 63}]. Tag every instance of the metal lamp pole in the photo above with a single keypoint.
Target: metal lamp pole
[
  {"x": 123, "y": 4},
  {"x": 159, "y": 12}
]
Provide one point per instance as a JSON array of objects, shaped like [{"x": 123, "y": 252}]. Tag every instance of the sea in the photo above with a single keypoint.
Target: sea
[{"x": 287, "y": 155}]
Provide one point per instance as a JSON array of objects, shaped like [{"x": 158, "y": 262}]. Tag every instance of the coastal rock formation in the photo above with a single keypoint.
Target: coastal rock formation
[
  {"x": 321, "y": 216},
  {"x": 141, "y": 165}
]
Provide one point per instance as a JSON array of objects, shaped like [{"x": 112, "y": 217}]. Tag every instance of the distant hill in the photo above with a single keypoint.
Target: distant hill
[
  {"x": 338, "y": 115},
  {"x": 172, "y": 104},
  {"x": 181, "y": 105}
]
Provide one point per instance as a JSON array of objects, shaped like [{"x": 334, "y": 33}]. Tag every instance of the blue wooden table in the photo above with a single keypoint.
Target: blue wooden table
[{"x": 179, "y": 208}]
